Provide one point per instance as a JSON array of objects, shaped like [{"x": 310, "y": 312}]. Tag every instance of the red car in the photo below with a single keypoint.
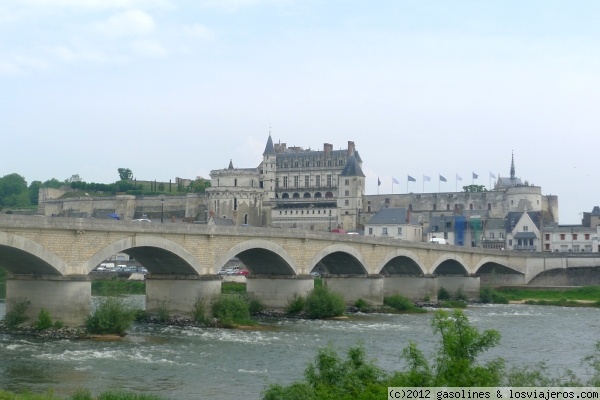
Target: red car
[{"x": 244, "y": 272}]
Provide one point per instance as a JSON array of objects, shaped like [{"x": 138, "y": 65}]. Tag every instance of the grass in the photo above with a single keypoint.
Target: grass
[
  {"x": 115, "y": 286},
  {"x": 585, "y": 293},
  {"x": 402, "y": 304},
  {"x": 233, "y": 288}
]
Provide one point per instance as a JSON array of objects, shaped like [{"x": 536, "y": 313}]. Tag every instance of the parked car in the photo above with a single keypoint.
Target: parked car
[
  {"x": 243, "y": 272},
  {"x": 223, "y": 271},
  {"x": 315, "y": 273},
  {"x": 142, "y": 220}
]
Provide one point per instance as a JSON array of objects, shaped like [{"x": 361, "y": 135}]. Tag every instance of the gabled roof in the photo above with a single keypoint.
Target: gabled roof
[
  {"x": 352, "y": 168},
  {"x": 391, "y": 216},
  {"x": 596, "y": 210},
  {"x": 222, "y": 221},
  {"x": 495, "y": 223},
  {"x": 513, "y": 218}
]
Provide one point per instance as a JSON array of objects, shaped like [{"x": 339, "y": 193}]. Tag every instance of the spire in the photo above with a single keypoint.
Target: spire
[
  {"x": 230, "y": 164},
  {"x": 512, "y": 167},
  {"x": 269, "y": 149}
]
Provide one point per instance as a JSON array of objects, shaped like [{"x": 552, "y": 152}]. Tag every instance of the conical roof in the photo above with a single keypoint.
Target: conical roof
[
  {"x": 269, "y": 149},
  {"x": 230, "y": 164},
  {"x": 352, "y": 167}
]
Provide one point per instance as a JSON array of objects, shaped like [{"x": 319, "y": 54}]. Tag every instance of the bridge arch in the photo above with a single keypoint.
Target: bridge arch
[
  {"x": 158, "y": 255},
  {"x": 261, "y": 257},
  {"x": 401, "y": 262},
  {"x": 490, "y": 265},
  {"x": 340, "y": 259},
  {"x": 20, "y": 255},
  {"x": 450, "y": 264}
]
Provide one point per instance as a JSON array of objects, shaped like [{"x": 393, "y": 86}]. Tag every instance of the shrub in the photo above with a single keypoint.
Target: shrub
[
  {"x": 162, "y": 311},
  {"x": 255, "y": 306},
  {"x": 111, "y": 316},
  {"x": 17, "y": 314},
  {"x": 460, "y": 295},
  {"x": 443, "y": 294},
  {"x": 58, "y": 324},
  {"x": 322, "y": 303},
  {"x": 231, "y": 309},
  {"x": 295, "y": 305},
  {"x": 489, "y": 295},
  {"x": 361, "y": 304},
  {"x": 199, "y": 311},
  {"x": 44, "y": 321},
  {"x": 398, "y": 302}
]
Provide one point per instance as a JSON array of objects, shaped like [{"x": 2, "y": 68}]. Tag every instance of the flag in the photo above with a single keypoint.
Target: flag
[
  {"x": 394, "y": 180},
  {"x": 411, "y": 179},
  {"x": 492, "y": 175},
  {"x": 458, "y": 178},
  {"x": 443, "y": 179},
  {"x": 426, "y": 178},
  {"x": 378, "y": 182},
  {"x": 475, "y": 176}
]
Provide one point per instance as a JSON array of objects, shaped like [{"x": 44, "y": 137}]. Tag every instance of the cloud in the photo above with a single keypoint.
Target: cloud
[
  {"x": 128, "y": 23},
  {"x": 97, "y": 4},
  {"x": 234, "y": 5},
  {"x": 68, "y": 54},
  {"x": 199, "y": 31},
  {"x": 148, "y": 48}
]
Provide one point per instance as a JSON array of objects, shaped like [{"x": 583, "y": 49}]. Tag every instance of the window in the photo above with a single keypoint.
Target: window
[
  {"x": 329, "y": 163},
  {"x": 346, "y": 193},
  {"x": 587, "y": 236},
  {"x": 562, "y": 236},
  {"x": 491, "y": 235},
  {"x": 434, "y": 207},
  {"x": 384, "y": 231},
  {"x": 285, "y": 183},
  {"x": 328, "y": 180},
  {"x": 510, "y": 242},
  {"x": 547, "y": 246},
  {"x": 235, "y": 182},
  {"x": 306, "y": 180},
  {"x": 318, "y": 163},
  {"x": 574, "y": 236},
  {"x": 370, "y": 231},
  {"x": 340, "y": 162},
  {"x": 295, "y": 181},
  {"x": 296, "y": 164},
  {"x": 387, "y": 200},
  {"x": 501, "y": 235},
  {"x": 234, "y": 203},
  {"x": 447, "y": 207},
  {"x": 276, "y": 182},
  {"x": 399, "y": 230},
  {"x": 547, "y": 236},
  {"x": 525, "y": 228},
  {"x": 346, "y": 182},
  {"x": 471, "y": 206},
  {"x": 307, "y": 164},
  {"x": 318, "y": 180},
  {"x": 489, "y": 206},
  {"x": 346, "y": 203}
]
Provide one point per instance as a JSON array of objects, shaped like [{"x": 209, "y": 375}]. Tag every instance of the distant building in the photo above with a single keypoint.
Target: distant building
[{"x": 396, "y": 223}]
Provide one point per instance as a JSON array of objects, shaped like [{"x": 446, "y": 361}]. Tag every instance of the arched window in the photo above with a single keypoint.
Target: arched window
[
  {"x": 328, "y": 195},
  {"x": 318, "y": 195},
  {"x": 285, "y": 196},
  {"x": 296, "y": 195},
  {"x": 306, "y": 195}
]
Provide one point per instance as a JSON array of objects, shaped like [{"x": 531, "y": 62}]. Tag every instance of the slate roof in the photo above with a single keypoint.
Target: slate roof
[
  {"x": 223, "y": 221},
  {"x": 352, "y": 167},
  {"x": 391, "y": 216},
  {"x": 525, "y": 235},
  {"x": 269, "y": 148},
  {"x": 513, "y": 218}
]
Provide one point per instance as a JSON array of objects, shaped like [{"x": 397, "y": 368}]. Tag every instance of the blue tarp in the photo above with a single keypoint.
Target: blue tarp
[{"x": 114, "y": 216}]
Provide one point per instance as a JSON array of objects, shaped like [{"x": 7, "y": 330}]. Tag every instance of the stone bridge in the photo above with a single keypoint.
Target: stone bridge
[{"x": 49, "y": 261}]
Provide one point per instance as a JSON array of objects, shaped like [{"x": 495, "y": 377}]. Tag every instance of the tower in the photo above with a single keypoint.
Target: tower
[
  {"x": 351, "y": 190},
  {"x": 268, "y": 180}
]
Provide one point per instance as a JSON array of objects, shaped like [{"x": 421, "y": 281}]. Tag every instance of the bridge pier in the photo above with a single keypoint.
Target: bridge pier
[
  {"x": 469, "y": 285},
  {"x": 416, "y": 288},
  {"x": 276, "y": 291},
  {"x": 66, "y": 298},
  {"x": 495, "y": 280},
  {"x": 369, "y": 288},
  {"x": 179, "y": 293}
]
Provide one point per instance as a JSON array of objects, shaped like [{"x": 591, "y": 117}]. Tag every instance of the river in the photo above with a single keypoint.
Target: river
[{"x": 192, "y": 363}]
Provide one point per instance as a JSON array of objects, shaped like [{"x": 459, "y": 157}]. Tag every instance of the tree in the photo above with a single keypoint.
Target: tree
[
  {"x": 73, "y": 178},
  {"x": 34, "y": 191},
  {"x": 474, "y": 188},
  {"x": 13, "y": 191},
  {"x": 125, "y": 174},
  {"x": 199, "y": 185},
  {"x": 52, "y": 183}
]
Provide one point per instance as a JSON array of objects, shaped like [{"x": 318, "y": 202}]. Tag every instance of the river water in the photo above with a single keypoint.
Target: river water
[{"x": 192, "y": 363}]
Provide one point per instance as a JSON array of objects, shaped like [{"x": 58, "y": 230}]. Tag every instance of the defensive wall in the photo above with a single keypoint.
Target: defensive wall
[{"x": 52, "y": 254}]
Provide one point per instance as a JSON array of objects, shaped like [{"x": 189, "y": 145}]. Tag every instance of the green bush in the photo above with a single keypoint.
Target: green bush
[
  {"x": 17, "y": 314},
  {"x": 162, "y": 312},
  {"x": 361, "y": 304},
  {"x": 460, "y": 295},
  {"x": 231, "y": 310},
  {"x": 255, "y": 306},
  {"x": 322, "y": 303},
  {"x": 488, "y": 294},
  {"x": 443, "y": 294},
  {"x": 199, "y": 311},
  {"x": 112, "y": 316},
  {"x": 44, "y": 321},
  {"x": 398, "y": 302},
  {"x": 295, "y": 305}
]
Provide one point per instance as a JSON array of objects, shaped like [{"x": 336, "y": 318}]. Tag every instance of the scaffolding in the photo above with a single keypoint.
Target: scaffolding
[
  {"x": 475, "y": 223},
  {"x": 460, "y": 226}
]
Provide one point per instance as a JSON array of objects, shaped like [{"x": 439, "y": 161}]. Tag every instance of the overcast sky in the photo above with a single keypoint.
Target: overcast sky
[{"x": 173, "y": 88}]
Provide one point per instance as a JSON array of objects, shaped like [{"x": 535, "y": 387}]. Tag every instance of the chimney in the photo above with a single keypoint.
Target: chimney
[
  {"x": 327, "y": 148},
  {"x": 350, "y": 147}
]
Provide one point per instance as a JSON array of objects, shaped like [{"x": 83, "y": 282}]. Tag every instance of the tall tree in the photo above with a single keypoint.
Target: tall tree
[
  {"x": 13, "y": 191},
  {"x": 125, "y": 174}
]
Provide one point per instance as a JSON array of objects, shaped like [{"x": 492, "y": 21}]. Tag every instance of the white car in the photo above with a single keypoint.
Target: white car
[{"x": 142, "y": 220}]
